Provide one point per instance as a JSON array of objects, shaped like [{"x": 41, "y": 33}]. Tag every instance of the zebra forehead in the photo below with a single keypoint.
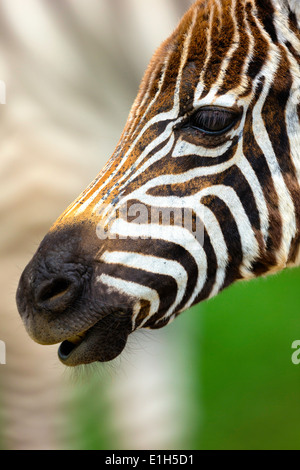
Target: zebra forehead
[{"x": 215, "y": 38}]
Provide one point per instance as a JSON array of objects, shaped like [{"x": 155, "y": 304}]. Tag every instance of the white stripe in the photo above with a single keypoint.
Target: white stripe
[
  {"x": 291, "y": 115},
  {"x": 184, "y": 148},
  {"x": 249, "y": 243},
  {"x": 285, "y": 204},
  {"x": 217, "y": 240},
  {"x": 173, "y": 234},
  {"x": 258, "y": 195},
  {"x": 155, "y": 265},
  {"x": 136, "y": 310},
  {"x": 133, "y": 289}
]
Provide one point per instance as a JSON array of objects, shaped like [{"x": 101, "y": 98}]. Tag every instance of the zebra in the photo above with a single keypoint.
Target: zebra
[{"x": 201, "y": 191}]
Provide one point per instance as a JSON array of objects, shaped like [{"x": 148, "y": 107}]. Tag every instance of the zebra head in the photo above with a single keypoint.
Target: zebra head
[{"x": 201, "y": 191}]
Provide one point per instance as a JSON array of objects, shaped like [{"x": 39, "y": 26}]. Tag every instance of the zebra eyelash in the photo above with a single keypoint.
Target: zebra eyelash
[{"x": 212, "y": 120}]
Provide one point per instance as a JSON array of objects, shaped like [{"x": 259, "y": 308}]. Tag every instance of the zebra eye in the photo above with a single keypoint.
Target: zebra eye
[{"x": 213, "y": 120}]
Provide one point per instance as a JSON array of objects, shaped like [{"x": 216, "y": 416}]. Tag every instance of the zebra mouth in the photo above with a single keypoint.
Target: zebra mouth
[
  {"x": 67, "y": 347},
  {"x": 103, "y": 342}
]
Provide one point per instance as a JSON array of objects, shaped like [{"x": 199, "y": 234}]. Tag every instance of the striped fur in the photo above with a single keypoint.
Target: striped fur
[{"x": 242, "y": 185}]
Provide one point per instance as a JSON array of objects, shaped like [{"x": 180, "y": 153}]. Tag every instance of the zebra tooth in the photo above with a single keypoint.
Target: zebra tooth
[{"x": 77, "y": 338}]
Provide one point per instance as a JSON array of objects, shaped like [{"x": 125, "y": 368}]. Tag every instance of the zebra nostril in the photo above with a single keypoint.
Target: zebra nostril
[
  {"x": 56, "y": 294},
  {"x": 53, "y": 289}
]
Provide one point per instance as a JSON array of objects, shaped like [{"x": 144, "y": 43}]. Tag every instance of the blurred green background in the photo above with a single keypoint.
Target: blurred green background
[{"x": 221, "y": 375}]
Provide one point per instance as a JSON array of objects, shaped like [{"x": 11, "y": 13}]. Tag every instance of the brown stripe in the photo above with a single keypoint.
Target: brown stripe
[
  {"x": 233, "y": 74},
  {"x": 261, "y": 46},
  {"x": 222, "y": 34}
]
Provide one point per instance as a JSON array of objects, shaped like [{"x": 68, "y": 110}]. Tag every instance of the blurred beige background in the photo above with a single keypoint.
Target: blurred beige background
[{"x": 72, "y": 69}]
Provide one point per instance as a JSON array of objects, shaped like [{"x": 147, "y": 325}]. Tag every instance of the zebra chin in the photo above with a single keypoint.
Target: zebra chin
[{"x": 60, "y": 301}]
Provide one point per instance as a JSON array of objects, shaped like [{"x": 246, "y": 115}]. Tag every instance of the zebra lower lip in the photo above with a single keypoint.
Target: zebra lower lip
[{"x": 102, "y": 342}]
